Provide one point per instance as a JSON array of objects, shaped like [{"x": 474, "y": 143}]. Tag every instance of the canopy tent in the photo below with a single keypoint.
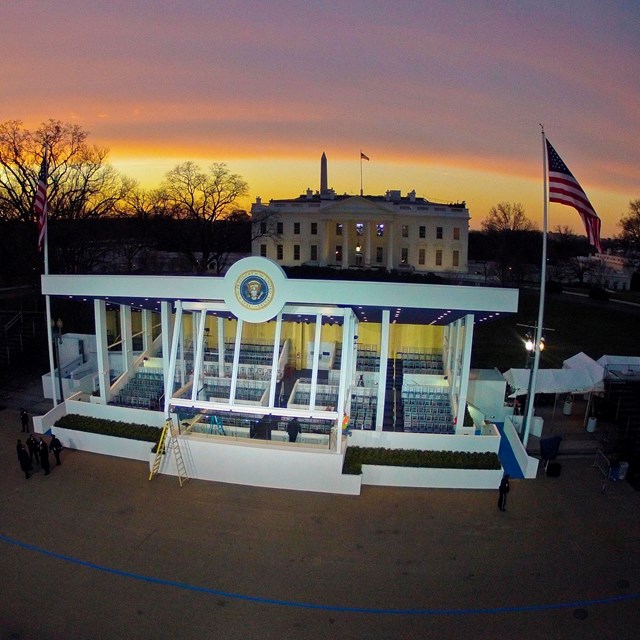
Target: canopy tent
[
  {"x": 552, "y": 381},
  {"x": 581, "y": 361},
  {"x": 621, "y": 367}
]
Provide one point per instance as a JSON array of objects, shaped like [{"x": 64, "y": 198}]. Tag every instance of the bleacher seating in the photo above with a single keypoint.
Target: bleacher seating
[
  {"x": 427, "y": 410},
  {"x": 363, "y": 409},
  {"x": 422, "y": 361},
  {"x": 144, "y": 391}
]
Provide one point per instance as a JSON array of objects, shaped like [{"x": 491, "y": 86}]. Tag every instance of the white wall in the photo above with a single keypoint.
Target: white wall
[
  {"x": 277, "y": 466},
  {"x": 431, "y": 478},
  {"x": 425, "y": 441}
]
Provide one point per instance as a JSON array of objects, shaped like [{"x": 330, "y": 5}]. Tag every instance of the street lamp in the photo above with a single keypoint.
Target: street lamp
[
  {"x": 56, "y": 326},
  {"x": 529, "y": 346}
]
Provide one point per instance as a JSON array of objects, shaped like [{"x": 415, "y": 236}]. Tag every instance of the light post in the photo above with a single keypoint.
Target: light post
[
  {"x": 529, "y": 346},
  {"x": 56, "y": 326}
]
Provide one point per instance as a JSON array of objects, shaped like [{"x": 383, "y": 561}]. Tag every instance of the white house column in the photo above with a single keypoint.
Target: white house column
[
  {"x": 127, "y": 337},
  {"x": 384, "y": 360},
  {"x": 390, "y": 245},
  {"x": 102, "y": 349},
  {"x": 327, "y": 255},
  {"x": 345, "y": 245}
]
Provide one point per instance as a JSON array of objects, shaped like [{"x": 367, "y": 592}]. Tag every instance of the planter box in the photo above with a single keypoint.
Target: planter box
[
  {"x": 431, "y": 478},
  {"x": 104, "y": 445}
]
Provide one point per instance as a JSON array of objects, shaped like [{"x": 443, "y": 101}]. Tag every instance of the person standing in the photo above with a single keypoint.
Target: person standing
[
  {"x": 293, "y": 429},
  {"x": 23, "y": 459},
  {"x": 43, "y": 452},
  {"x": 24, "y": 420},
  {"x": 32, "y": 446},
  {"x": 56, "y": 446},
  {"x": 503, "y": 489}
]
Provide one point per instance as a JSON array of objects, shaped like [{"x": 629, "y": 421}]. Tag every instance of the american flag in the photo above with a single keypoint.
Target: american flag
[
  {"x": 565, "y": 189},
  {"x": 363, "y": 156},
  {"x": 40, "y": 204}
]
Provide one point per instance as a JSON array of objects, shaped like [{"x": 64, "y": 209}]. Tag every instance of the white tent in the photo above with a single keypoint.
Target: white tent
[
  {"x": 551, "y": 381},
  {"x": 581, "y": 361},
  {"x": 621, "y": 367}
]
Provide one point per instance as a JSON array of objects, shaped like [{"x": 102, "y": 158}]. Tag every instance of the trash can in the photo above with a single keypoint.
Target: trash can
[
  {"x": 591, "y": 425},
  {"x": 622, "y": 472},
  {"x": 568, "y": 407}
]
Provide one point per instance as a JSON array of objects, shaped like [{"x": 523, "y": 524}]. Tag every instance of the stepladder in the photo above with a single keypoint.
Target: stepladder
[{"x": 169, "y": 444}]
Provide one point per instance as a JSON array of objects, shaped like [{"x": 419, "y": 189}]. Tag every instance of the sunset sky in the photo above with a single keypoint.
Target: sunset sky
[{"x": 444, "y": 97}]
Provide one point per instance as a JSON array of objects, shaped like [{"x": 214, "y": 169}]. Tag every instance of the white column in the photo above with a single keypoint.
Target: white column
[
  {"x": 236, "y": 360},
  {"x": 390, "y": 244},
  {"x": 464, "y": 373},
  {"x": 220, "y": 325},
  {"x": 367, "y": 243},
  {"x": 166, "y": 326},
  {"x": 274, "y": 361},
  {"x": 327, "y": 255},
  {"x": 127, "y": 337},
  {"x": 382, "y": 377},
  {"x": 102, "y": 350},
  {"x": 168, "y": 379},
  {"x": 147, "y": 330},
  {"x": 198, "y": 353},
  {"x": 345, "y": 245},
  {"x": 315, "y": 361}
]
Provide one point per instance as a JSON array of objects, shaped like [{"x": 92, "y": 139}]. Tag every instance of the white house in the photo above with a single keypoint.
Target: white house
[{"x": 389, "y": 231}]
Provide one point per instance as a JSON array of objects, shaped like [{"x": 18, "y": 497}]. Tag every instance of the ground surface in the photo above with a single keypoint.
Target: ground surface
[{"x": 95, "y": 550}]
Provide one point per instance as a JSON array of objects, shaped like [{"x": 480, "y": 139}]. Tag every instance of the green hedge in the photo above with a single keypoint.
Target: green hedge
[
  {"x": 357, "y": 456},
  {"x": 110, "y": 428}
]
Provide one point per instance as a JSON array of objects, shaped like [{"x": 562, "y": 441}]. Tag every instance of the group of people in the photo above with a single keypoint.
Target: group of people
[
  {"x": 261, "y": 430},
  {"x": 36, "y": 452}
]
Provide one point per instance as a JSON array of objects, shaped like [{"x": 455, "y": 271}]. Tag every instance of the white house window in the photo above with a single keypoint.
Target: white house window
[
  {"x": 456, "y": 233},
  {"x": 439, "y": 233},
  {"x": 456, "y": 258},
  {"x": 296, "y": 252},
  {"x": 421, "y": 256},
  {"x": 263, "y": 250},
  {"x": 296, "y": 228},
  {"x": 438, "y": 257},
  {"x": 405, "y": 230},
  {"x": 280, "y": 252}
]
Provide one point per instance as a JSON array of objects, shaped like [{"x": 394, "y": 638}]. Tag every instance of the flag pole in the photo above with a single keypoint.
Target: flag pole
[
  {"x": 539, "y": 324},
  {"x": 361, "y": 190}
]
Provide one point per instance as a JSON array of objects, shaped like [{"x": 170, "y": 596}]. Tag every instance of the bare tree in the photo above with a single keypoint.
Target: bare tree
[
  {"x": 630, "y": 225},
  {"x": 206, "y": 199},
  {"x": 507, "y": 216},
  {"x": 81, "y": 184}
]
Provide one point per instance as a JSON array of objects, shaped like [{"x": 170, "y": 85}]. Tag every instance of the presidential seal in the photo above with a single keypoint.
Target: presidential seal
[{"x": 254, "y": 290}]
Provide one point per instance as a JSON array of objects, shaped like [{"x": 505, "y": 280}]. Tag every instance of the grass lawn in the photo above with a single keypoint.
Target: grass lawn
[{"x": 573, "y": 324}]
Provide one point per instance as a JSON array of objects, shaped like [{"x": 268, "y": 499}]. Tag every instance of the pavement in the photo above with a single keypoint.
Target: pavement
[{"x": 96, "y": 550}]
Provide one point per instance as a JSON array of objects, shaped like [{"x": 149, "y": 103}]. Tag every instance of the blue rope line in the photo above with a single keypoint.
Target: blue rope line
[{"x": 308, "y": 605}]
